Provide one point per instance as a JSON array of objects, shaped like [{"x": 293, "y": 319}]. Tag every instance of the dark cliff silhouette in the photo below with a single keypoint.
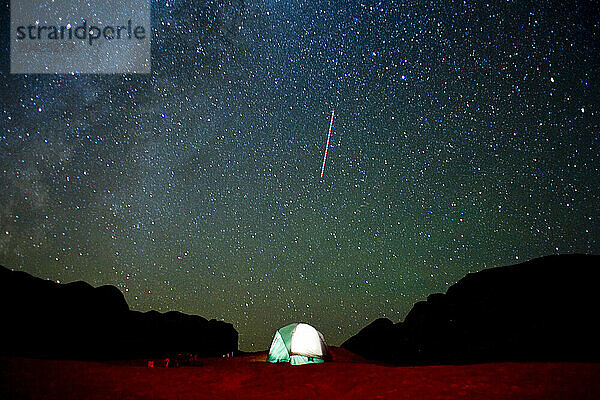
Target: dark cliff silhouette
[
  {"x": 41, "y": 318},
  {"x": 542, "y": 310}
]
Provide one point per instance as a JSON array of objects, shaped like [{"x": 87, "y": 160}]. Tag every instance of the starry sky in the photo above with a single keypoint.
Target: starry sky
[{"x": 466, "y": 136}]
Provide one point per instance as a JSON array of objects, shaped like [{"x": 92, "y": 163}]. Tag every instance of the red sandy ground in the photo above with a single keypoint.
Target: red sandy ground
[{"x": 249, "y": 377}]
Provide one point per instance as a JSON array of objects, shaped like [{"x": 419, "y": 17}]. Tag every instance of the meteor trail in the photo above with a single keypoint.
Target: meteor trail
[{"x": 327, "y": 146}]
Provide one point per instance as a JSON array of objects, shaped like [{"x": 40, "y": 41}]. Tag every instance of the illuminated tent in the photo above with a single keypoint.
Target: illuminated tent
[{"x": 298, "y": 344}]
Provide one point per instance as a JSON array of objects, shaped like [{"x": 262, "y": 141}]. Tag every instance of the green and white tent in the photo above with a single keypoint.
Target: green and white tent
[{"x": 298, "y": 344}]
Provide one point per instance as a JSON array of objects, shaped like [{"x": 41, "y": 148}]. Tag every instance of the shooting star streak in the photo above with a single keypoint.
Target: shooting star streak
[{"x": 327, "y": 146}]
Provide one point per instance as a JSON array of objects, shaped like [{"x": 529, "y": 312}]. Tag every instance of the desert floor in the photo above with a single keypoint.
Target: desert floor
[{"x": 248, "y": 377}]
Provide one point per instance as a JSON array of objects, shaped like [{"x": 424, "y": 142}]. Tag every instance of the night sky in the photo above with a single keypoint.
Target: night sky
[{"x": 466, "y": 136}]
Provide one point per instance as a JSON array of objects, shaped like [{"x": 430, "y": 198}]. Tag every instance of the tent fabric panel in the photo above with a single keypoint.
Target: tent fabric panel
[
  {"x": 324, "y": 347},
  {"x": 297, "y": 359},
  {"x": 306, "y": 341},
  {"x": 278, "y": 351},
  {"x": 286, "y": 334}
]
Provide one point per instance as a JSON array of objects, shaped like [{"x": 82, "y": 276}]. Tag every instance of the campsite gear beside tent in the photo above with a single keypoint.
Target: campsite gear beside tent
[{"x": 298, "y": 344}]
